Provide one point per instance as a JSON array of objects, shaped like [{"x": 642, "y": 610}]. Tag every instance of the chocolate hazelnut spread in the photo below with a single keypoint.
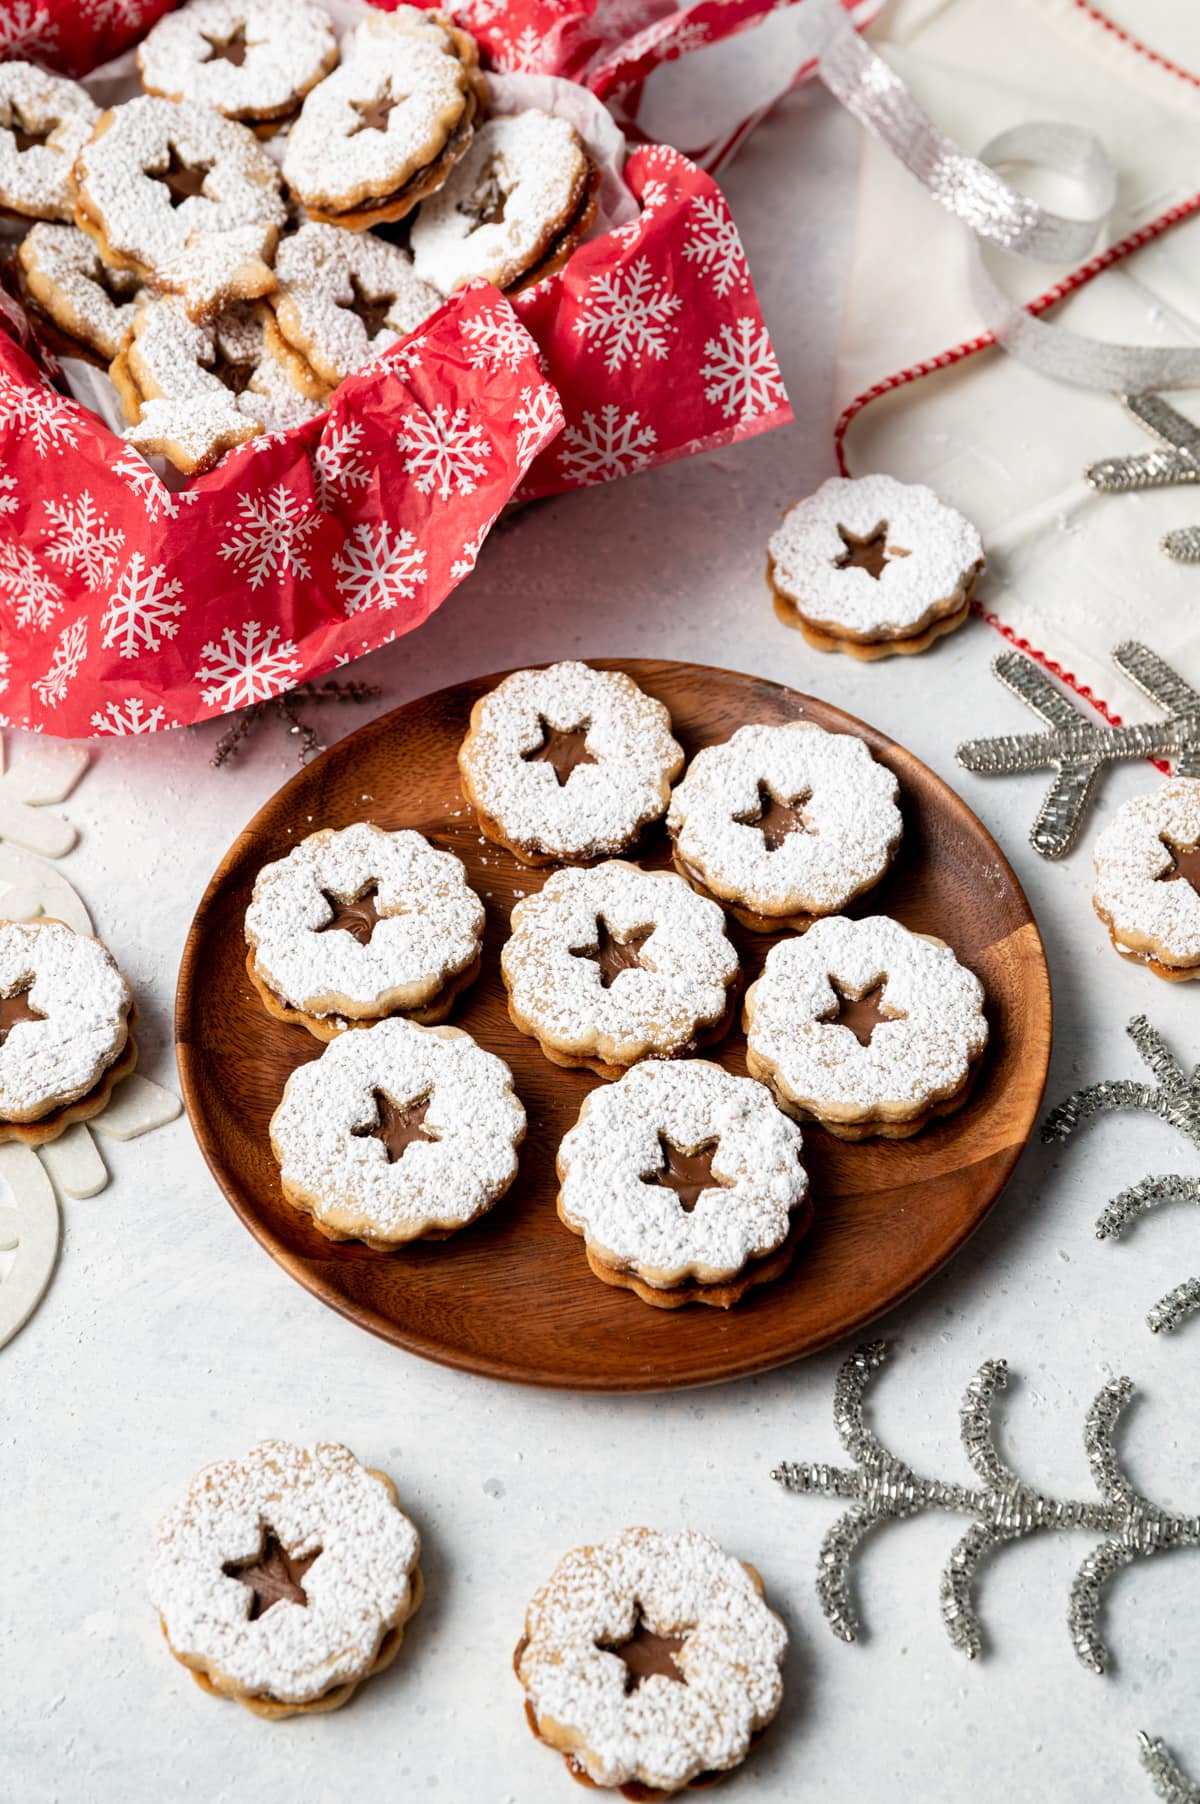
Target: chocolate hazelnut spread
[
  {"x": 776, "y": 819},
  {"x": 1185, "y": 866},
  {"x": 646, "y": 1655},
  {"x": 272, "y": 1576},
  {"x": 358, "y": 915},
  {"x": 228, "y": 50},
  {"x": 686, "y": 1173},
  {"x": 861, "y": 1014},
  {"x": 180, "y": 179},
  {"x": 564, "y": 751},
  {"x": 373, "y": 313},
  {"x": 612, "y": 955},
  {"x": 396, "y": 1127},
  {"x": 373, "y": 114},
  {"x": 870, "y": 553},
  {"x": 15, "y": 1008}
]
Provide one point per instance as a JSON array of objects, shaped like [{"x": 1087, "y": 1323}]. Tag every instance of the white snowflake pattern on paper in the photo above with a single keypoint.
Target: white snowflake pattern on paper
[
  {"x": 149, "y": 487},
  {"x": 498, "y": 340},
  {"x": 406, "y": 359},
  {"x": 38, "y": 414},
  {"x": 26, "y": 29},
  {"x": 69, "y": 653},
  {"x": 654, "y": 195},
  {"x": 467, "y": 558},
  {"x": 5, "y": 662},
  {"x": 337, "y": 467},
  {"x": 142, "y": 610},
  {"x": 715, "y": 247},
  {"x": 445, "y": 452},
  {"x": 538, "y": 416},
  {"x": 272, "y": 535},
  {"x": 84, "y": 539},
  {"x": 378, "y": 566},
  {"x": 113, "y": 15},
  {"x": 129, "y": 717},
  {"x": 604, "y": 446},
  {"x": 628, "y": 315},
  {"x": 247, "y": 666},
  {"x": 742, "y": 375},
  {"x": 521, "y": 55},
  {"x": 33, "y": 593},
  {"x": 8, "y": 500}
]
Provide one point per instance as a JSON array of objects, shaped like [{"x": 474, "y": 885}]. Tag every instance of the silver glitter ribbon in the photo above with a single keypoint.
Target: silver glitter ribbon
[
  {"x": 1166, "y": 1775},
  {"x": 997, "y": 214},
  {"x": 882, "y": 1488}
]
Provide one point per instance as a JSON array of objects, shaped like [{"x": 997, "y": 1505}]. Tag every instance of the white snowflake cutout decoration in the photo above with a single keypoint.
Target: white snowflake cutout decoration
[
  {"x": 29, "y": 1228},
  {"x": 47, "y": 772}
]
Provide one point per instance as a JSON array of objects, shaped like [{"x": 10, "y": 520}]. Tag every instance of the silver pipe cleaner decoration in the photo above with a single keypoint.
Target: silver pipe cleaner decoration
[
  {"x": 1167, "y": 1776},
  {"x": 1077, "y": 747},
  {"x": 1177, "y": 462},
  {"x": 286, "y": 708},
  {"x": 882, "y": 1488},
  {"x": 1175, "y": 1099}
]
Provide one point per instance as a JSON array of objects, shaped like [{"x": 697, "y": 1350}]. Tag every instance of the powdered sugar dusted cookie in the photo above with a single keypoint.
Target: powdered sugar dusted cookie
[
  {"x": 398, "y": 1132},
  {"x": 64, "y": 1029},
  {"x": 253, "y": 60},
  {"x": 568, "y": 762},
  {"x": 67, "y": 282},
  {"x": 614, "y": 964},
  {"x": 1148, "y": 879},
  {"x": 385, "y": 128},
  {"x": 357, "y": 923},
  {"x": 344, "y": 297},
  {"x": 523, "y": 187},
  {"x": 45, "y": 120},
  {"x": 191, "y": 392},
  {"x": 651, "y": 1659},
  {"x": 865, "y": 1027},
  {"x": 682, "y": 1179},
  {"x": 285, "y": 1578},
  {"x": 873, "y": 566},
  {"x": 188, "y": 200},
  {"x": 784, "y": 823}
]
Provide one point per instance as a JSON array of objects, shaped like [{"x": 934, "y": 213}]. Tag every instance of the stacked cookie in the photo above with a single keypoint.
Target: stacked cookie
[
  {"x": 685, "y": 1181},
  {"x": 232, "y": 203}
]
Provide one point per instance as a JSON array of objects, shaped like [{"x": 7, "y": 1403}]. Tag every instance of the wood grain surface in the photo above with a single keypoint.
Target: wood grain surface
[{"x": 512, "y": 1296}]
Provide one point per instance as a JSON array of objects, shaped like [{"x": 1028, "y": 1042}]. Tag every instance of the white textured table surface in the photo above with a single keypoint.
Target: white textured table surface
[{"x": 169, "y": 1339}]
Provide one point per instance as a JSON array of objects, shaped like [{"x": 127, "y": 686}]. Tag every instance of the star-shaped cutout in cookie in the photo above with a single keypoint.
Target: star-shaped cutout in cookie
[
  {"x": 871, "y": 552},
  {"x": 686, "y": 1173},
  {"x": 272, "y": 1576},
  {"x": 563, "y": 751},
  {"x": 15, "y": 1008},
  {"x": 227, "y": 50},
  {"x": 356, "y": 915},
  {"x": 1185, "y": 865},
  {"x": 861, "y": 1014},
  {"x": 373, "y": 115},
  {"x": 611, "y": 954},
  {"x": 646, "y": 1655},
  {"x": 396, "y": 1127},
  {"x": 775, "y": 819},
  {"x": 31, "y": 137}
]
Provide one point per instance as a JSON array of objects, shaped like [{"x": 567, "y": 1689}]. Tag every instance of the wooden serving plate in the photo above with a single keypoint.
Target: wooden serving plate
[{"x": 512, "y": 1296}]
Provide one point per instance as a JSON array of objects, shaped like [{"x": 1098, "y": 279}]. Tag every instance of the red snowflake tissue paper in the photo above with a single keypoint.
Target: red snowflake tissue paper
[
  {"x": 74, "y": 35},
  {"x": 127, "y": 608}
]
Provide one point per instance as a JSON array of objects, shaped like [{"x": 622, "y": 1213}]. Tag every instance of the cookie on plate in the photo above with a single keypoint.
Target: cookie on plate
[
  {"x": 67, "y": 286},
  {"x": 685, "y": 1183},
  {"x": 512, "y": 210},
  {"x": 66, "y": 1029},
  {"x": 398, "y": 1133},
  {"x": 651, "y": 1661},
  {"x": 612, "y": 965},
  {"x": 385, "y": 129},
  {"x": 345, "y": 297},
  {"x": 865, "y": 1027},
  {"x": 872, "y": 566},
  {"x": 45, "y": 120},
  {"x": 285, "y": 1578},
  {"x": 187, "y": 200},
  {"x": 356, "y": 924},
  {"x": 568, "y": 763},
  {"x": 253, "y": 60},
  {"x": 192, "y": 392},
  {"x": 784, "y": 824},
  {"x": 1148, "y": 879}
]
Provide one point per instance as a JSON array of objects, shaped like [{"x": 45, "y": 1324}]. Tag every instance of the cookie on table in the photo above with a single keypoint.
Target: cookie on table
[
  {"x": 192, "y": 392},
  {"x": 397, "y": 1134},
  {"x": 345, "y": 297},
  {"x": 67, "y": 285},
  {"x": 253, "y": 60},
  {"x": 184, "y": 198},
  {"x": 568, "y": 763},
  {"x": 285, "y": 1578},
  {"x": 651, "y": 1661},
  {"x": 865, "y": 1027},
  {"x": 512, "y": 209},
  {"x": 358, "y": 923},
  {"x": 45, "y": 120},
  {"x": 784, "y": 824},
  {"x": 66, "y": 1029},
  {"x": 385, "y": 129},
  {"x": 611, "y": 965},
  {"x": 685, "y": 1182},
  {"x": 872, "y": 566},
  {"x": 1148, "y": 879}
]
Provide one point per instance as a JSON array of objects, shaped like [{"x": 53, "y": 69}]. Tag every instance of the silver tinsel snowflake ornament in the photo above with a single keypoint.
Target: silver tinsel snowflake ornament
[
  {"x": 1177, "y": 462},
  {"x": 882, "y": 1488},
  {"x": 1175, "y": 1099},
  {"x": 1168, "y": 1777},
  {"x": 1077, "y": 747}
]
